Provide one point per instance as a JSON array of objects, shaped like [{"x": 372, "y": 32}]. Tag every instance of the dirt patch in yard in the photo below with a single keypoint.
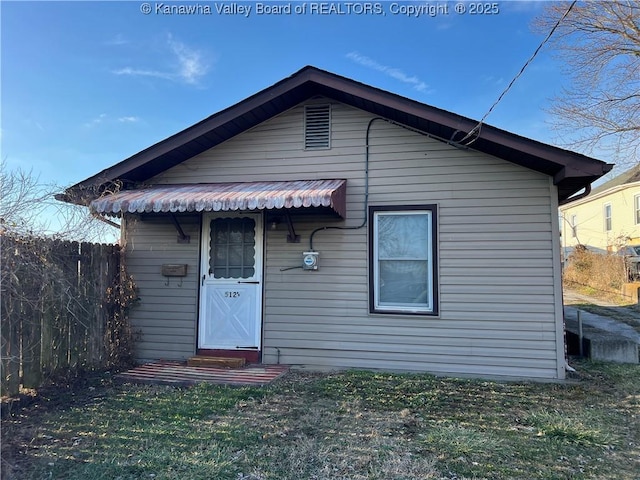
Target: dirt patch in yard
[{"x": 21, "y": 415}]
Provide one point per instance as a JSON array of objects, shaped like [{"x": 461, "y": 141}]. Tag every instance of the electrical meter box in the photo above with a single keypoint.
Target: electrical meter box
[{"x": 310, "y": 260}]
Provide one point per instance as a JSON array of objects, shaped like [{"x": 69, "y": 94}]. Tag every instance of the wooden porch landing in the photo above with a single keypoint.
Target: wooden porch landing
[{"x": 180, "y": 375}]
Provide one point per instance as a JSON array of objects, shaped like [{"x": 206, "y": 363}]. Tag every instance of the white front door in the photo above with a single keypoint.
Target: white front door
[{"x": 231, "y": 282}]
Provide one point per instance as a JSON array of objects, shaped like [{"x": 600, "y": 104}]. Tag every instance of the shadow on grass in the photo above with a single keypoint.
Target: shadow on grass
[{"x": 349, "y": 425}]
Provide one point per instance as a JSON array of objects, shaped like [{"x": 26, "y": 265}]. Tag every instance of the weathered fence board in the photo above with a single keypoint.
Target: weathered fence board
[{"x": 54, "y": 315}]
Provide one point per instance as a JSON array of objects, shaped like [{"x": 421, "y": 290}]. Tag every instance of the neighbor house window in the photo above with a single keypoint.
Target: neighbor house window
[
  {"x": 403, "y": 260},
  {"x": 607, "y": 217},
  {"x": 574, "y": 226},
  {"x": 636, "y": 203}
]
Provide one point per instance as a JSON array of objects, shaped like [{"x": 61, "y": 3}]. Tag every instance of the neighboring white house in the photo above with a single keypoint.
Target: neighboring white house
[
  {"x": 606, "y": 219},
  {"x": 326, "y": 223}
]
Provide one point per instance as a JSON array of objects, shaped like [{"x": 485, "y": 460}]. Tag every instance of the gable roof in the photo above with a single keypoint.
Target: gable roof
[
  {"x": 571, "y": 171},
  {"x": 629, "y": 176}
]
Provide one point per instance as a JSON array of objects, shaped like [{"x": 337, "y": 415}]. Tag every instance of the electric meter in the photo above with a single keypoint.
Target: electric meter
[{"x": 309, "y": 260}]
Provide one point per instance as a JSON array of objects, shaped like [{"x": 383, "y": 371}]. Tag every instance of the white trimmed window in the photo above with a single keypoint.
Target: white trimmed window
[
  {"x": 636, "y": 205},
  {"x": 403, "y": 260},
  {"x": 607, "y": 217}
]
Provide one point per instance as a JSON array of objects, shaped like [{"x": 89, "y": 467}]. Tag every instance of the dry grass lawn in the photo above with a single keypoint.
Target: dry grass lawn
[{"x": 349, "y": 425}]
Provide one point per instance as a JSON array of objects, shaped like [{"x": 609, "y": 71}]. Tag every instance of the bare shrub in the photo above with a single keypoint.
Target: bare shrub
[
  {"x": 65, "y": 299},
  {"x": 28, "y": 208},
  {"x": 604, "y": 273}
]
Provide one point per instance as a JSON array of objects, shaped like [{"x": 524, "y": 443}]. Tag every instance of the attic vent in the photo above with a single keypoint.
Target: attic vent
[{"x": 317, "y": 127}]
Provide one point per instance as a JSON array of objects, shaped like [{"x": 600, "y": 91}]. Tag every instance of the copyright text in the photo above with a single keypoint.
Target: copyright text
[{"x": 247, "y": 9}]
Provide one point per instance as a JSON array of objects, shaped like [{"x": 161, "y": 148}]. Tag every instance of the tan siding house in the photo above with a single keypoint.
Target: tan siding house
[
  {"x": 606, "y": 219},
  {"x": 413, "y": 252}
]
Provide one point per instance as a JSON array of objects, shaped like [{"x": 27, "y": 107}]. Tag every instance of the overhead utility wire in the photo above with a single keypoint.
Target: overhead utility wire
[{"x": 476, "y": 130}]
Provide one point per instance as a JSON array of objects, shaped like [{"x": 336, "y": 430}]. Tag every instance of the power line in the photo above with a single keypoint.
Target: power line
[{"x": 475, "y": 132}]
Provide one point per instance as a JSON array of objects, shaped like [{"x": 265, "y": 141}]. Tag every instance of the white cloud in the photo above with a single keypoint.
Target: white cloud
[
  {"x": 392, "y": 72},
  {"x": 491, "y": 80},
  {"x": 129, "y": 119},
  {"x": 119, "y": 39},
  {"x": 96, "y": 121},
  {"x": 188, "y": 65},
  {"x": 138, "y": 72},
  {"x": 104, "y": 119}
]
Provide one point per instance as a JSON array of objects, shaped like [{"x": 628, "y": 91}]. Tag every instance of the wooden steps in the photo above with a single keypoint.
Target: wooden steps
[
  {"x": 178, "y": 374},
  {"x": 218, "y": 362}
]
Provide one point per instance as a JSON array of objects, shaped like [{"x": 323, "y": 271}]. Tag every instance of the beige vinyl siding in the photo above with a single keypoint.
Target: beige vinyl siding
[
  {"x": 165, "y": 316},
  {"x": 497, "y": 312}
]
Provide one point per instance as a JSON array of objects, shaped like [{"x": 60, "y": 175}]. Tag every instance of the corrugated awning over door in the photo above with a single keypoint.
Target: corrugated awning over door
[{"x": 220, "y": 197}]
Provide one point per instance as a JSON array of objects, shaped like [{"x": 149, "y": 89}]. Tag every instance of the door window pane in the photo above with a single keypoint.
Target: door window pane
[{"x": 232, "y": 251}]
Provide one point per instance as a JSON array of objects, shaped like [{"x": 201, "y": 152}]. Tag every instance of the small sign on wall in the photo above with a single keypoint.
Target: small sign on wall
[{"x": 174, "y": 270}]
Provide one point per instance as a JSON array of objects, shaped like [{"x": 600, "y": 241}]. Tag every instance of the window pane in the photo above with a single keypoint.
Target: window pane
[
  {"x": 249, "y": 255},
  {"x": 402, "y": 277},
  {"x": 235, "y": 234},
  {"x": 220, "y": 272},
  {"x": 404, "y": 282},
  {"x": 235, "y": 255},
  {"x": 247, "y": 272},
  {"x": 232, "y": 253},
  {"x": 235, "y": 272},
  {"x": 403, "y": 236}
]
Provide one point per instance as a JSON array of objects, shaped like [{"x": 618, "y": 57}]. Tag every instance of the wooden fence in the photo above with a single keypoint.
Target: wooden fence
[{"x": 56, "y": 309}]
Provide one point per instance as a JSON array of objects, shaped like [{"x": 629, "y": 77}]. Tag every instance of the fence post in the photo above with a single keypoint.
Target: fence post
[
  {"x": 30, "y": 313},
  {"x": 75, "y": 314},
  {"x": 9, "y": 339},
  {"x": 82, "y": 322}
]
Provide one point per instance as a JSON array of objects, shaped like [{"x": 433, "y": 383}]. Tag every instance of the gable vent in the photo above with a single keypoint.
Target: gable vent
[{"x": 317, "y": 127}]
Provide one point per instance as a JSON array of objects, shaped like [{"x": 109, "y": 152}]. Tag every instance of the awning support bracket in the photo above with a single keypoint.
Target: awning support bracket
[
  {"x": 182, "y": 238},
  {"x": 291, "y": 237}
]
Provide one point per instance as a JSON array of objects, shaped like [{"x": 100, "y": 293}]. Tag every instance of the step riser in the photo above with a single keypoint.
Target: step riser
[{"x": 218, "y": 362}]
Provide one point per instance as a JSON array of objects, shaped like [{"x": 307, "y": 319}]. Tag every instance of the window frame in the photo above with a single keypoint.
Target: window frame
[
  {"x": 636, "y": 209},
  {"x": 574, "y": 226},
  {"x": 374, "y": 304},
  {"x": 608, "y": 220}
]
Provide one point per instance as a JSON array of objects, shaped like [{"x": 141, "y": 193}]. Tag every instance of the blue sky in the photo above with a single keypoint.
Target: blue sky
[{"x": 87, "y": 84}]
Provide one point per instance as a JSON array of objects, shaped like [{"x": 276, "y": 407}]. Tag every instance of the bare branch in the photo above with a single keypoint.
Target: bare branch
[
  {"x": 28, "y": 207},
  {"x": 599, "y": 44}
]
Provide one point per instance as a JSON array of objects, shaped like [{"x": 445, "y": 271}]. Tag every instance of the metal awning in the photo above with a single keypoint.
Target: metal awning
[{"x": 221, "y": 197}]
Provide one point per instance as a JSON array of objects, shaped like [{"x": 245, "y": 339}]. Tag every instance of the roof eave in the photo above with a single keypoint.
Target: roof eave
[{"x": 572, "y": 172}]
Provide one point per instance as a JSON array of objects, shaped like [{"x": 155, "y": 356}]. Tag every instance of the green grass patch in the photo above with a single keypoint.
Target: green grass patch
[
  {"x": 568, "y": 428},
  {"x": 349, "y": 425}
]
